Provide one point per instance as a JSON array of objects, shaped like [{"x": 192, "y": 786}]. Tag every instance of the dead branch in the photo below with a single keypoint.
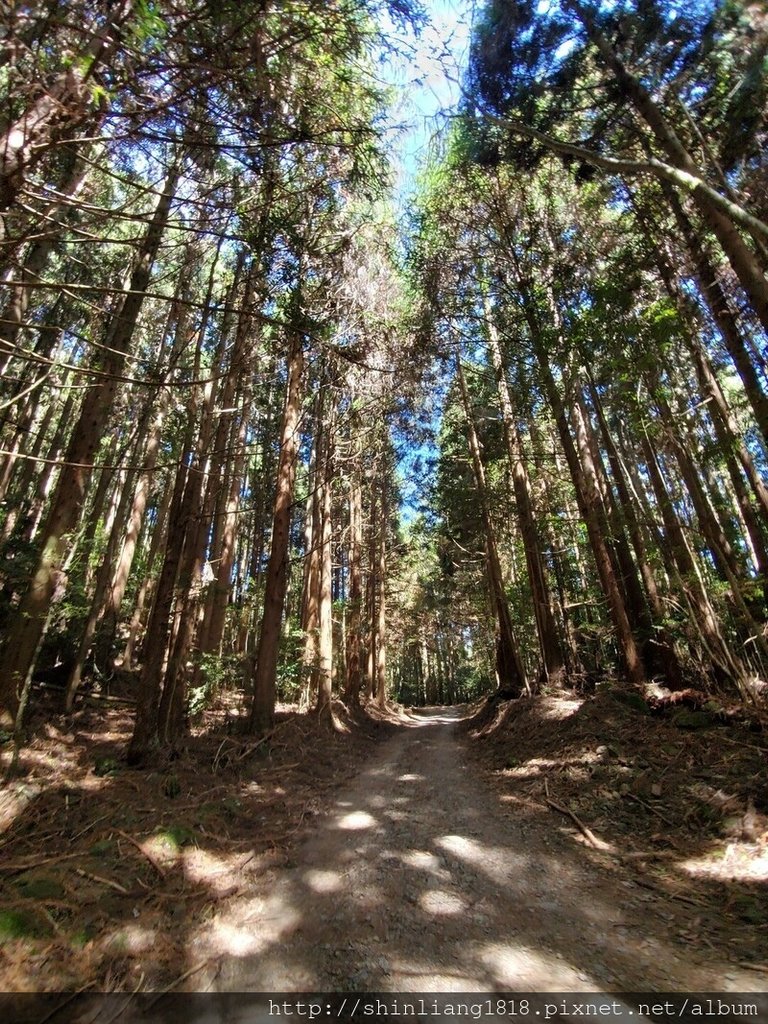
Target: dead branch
[
  {"x": 652, "y": 809},
  {"x": 104, "y": 881},
  {"x": 158, "y": 867},
  {"x": 592, "y": 839}
]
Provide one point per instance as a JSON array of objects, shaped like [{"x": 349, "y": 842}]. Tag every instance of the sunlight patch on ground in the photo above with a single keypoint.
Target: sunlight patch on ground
[
  {"x": 215, "y": 871},
  {"x": 442, "y": 904},
  {"x": 131, "y": 938},
  {"x": 522, "y": 803},
  {"x": 432, "y": 978},
  {"x": 497, "y": 863},
  {"x": 411, "y": 777},
  {"x": 228, "y": 938},
  {"x": 397, "y": 815},
  {"x": 338, "y": 725},
  {"x": 355, "y": 821},
  {"x": 14, "y": 802},
  {"x": 162, "y": 848},
  {"x": 535, "y": 766},
  {"x": 421, "y": 860},
  {"x": 323, "y": 881},
  {"x": 448, "y": 718},
  {"x": 560, "y": 708},
  {"x": 741, "y": 862},
  {"x": 377, "y": 801},
  {"x": 248, "y": 927},
  {"x": 520, "y": 968}
]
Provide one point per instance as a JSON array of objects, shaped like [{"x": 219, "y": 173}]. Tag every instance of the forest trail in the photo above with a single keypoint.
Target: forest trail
[{"x": 420, "y": 879}]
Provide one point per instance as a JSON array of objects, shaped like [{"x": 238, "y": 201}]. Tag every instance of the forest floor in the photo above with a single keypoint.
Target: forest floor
[{"x": 552, "y": 844}]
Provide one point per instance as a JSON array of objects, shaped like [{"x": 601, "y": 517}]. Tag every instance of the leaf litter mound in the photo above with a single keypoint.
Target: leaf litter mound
[{"x": 674, "y": 793}]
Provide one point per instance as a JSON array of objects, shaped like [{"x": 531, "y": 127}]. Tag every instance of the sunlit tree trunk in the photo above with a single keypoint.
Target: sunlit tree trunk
[
  {"x": 546, "y": 628},
  {"x": 354, "y": 617},
  {"x": 32, "y": 615},
  {"x": 742, "y": 259},
  {"x": 511, "y": 676},
  {"x": 58, "y": 108},
  {"x": 726, "y": 663},
  {"x": 664, "y": 659},
  {"x": 381, "y": 592},
  {"x": 265, "y": 673},
  {"x": 325, "y": 576}
]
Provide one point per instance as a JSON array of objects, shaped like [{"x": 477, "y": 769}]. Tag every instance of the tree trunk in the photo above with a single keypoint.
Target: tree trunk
[
  {"x": 101, "y": 583},
  {"x": 310, "y": 603},
  {"x": 745, "y": 264},
  {"x": 512, "y": 681},
  {"x": 726, "y": 664},
  {"x": 32, "y": 616},
  {"x": 381, "y": 596},
  {"x": 56, "y": 110},
  {"x": 354, "y": 618},
  {"x": 723, "y": 316},
  {"x": 546, "y": 628},
  {"x": 147, "y": 584},
  {"x": 324, "y": 538},
  {"x": 265, "y": 673}
]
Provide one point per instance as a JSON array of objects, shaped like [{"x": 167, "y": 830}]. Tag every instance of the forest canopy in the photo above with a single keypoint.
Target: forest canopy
[{"x": 224, "y": 345}]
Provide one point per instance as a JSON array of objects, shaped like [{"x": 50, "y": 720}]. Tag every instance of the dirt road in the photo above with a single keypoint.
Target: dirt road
[{"x": 421, "y": 879}]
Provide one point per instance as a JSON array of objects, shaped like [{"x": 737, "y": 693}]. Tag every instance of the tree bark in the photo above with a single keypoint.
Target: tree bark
[
  {"x": 57, "y": 109},
  {"x": 32, "y": 616},
  {"x": 325, "y": 608},
  {"x": 265, "y": 673},
  {"x": 727, "y": 665},
  {"x": 546, "y": 628},
  {"x": 744, "y": 262},
  {"x": 354, "y": 618},
  {"x": 512, "y": 681},
  {"x": 381, "y": 595}
]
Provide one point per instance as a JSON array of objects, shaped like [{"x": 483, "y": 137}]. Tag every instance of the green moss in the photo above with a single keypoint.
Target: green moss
[
  {"x": 40, "y": 887},
  {"x": 177, "y": 836},
  {"x": 82, "y": 937},
  {"x": 630, "y": 699},
  {"x": 693, "y": 720},
  {"x": 171, "y": 786},
  {"x": 231, "y": 807},
  {"x": 103, "y": 848},
  {"x": 16, "y": 924},
  {"x": 106, "y": 766},
  {"x": 749, "y": 909}
]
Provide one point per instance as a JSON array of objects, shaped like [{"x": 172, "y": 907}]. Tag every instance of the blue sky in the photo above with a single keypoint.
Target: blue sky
[{"x": 426, "y": 77}]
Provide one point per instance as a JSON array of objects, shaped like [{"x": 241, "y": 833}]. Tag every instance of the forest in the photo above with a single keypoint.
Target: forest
[{"x": 295, "y": 471}]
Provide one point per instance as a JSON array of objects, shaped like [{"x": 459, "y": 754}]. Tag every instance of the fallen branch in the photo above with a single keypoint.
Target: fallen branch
[
  {"x": 89, "y": 827},
  {"x": 248, "y": 749},
  {"x": 589, "y": 835},
  {"x": 741, "y": 743},
  {"x": 66, "y": 1002},
  {"x": 126, "y": 1004},
  {"x": 178, "y": 981},
  {"x": 648, "y": 855},
  {"x": 652, "y": 809},
  {"x": 104, "y": 881},
  {"x": 158, "y": 867},
  {"x": 669, "y": 895},
  {"x": 35, "y": 862}
]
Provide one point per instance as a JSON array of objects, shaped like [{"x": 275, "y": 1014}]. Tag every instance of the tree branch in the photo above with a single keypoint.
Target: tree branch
[{"x": 660, "y": 169}]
